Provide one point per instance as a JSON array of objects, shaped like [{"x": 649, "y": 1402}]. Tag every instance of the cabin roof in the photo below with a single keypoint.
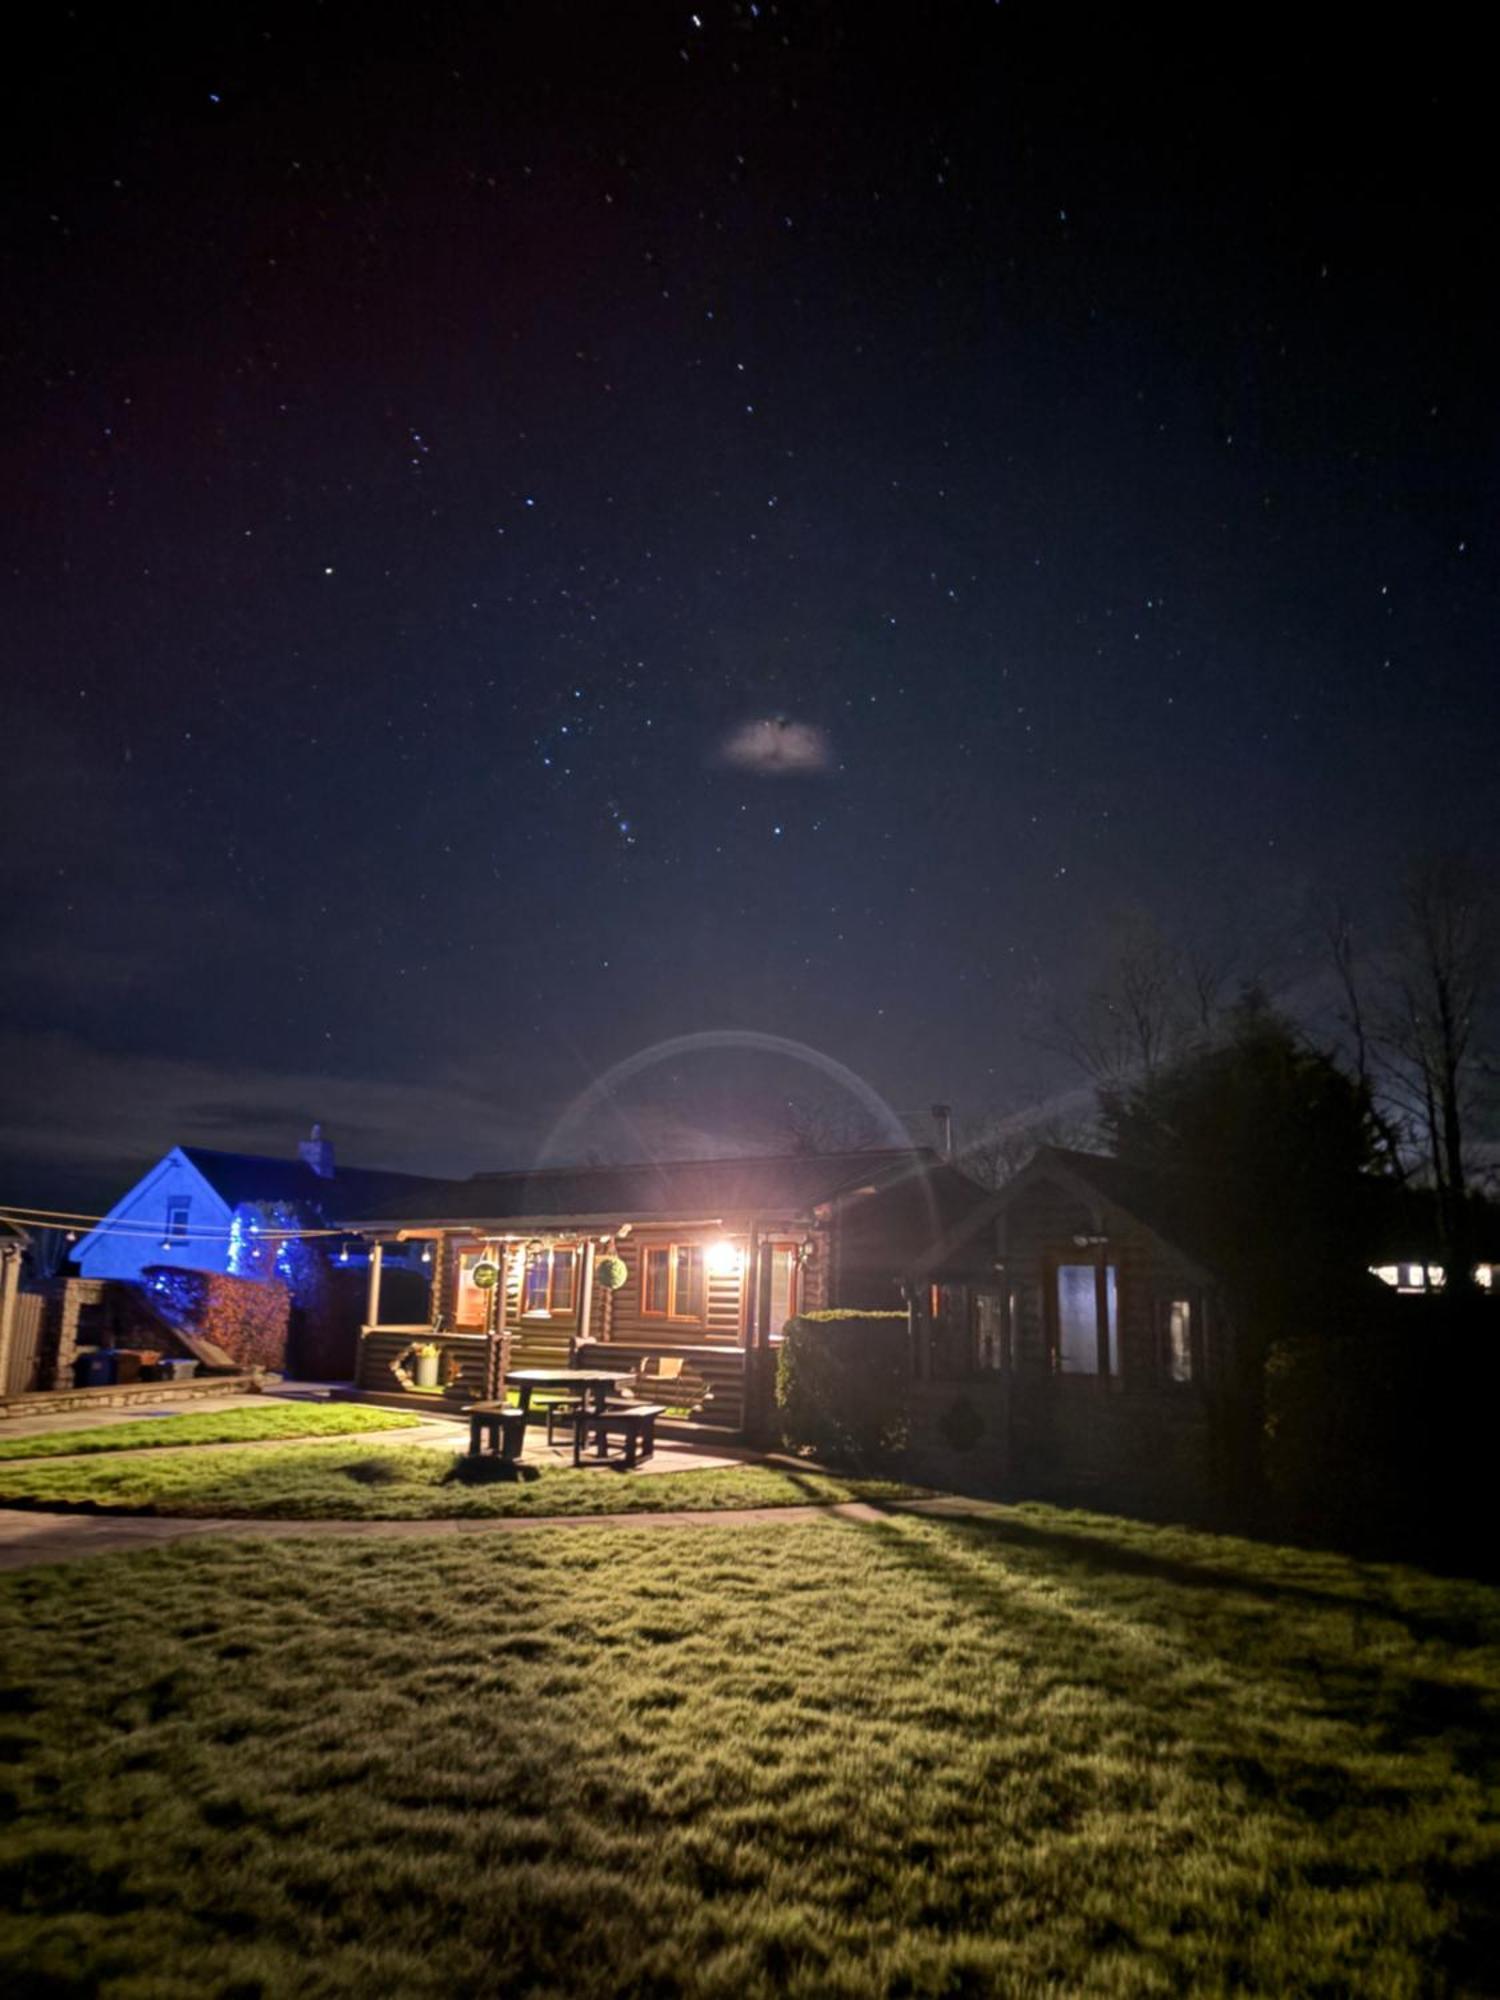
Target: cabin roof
[
  {"x": 776, "y": 1185},
  {"x": 242, "y": 1177}
]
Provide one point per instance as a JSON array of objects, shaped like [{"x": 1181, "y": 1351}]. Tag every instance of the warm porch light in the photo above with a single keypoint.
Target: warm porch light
[{"x": 722, "y": 1260}]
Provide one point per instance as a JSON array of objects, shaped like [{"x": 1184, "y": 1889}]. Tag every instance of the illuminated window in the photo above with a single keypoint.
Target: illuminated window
[
  {"x": 672, "y": 1281},
  {"x": 990, "y": 1344},
  {"x": 1077, "y": 1302},
  {"x": 1177, "y": 1340},
  {"x": 786, "y": 1284},
  {"x": 469, "y": 1300},
  {"x": 551, "y": 1281}
]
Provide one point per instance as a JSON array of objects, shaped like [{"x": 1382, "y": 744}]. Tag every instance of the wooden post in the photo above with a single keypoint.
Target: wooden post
[
  {"x": 10, "y": 1286},
  {"x": 750, "y": 1290},
  {"x": 439, "y": 1280},
  {"x": 495, "y": 1327},
  {"x": 377, "y": 1266},
  {"x": 585, "y": 1296}
]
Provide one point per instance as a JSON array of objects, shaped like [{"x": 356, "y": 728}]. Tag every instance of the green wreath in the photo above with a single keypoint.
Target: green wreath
[{"x": 610, "y": 1273}]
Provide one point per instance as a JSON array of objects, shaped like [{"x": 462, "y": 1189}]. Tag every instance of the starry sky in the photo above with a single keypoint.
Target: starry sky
[{"x": 535, "y": 534}]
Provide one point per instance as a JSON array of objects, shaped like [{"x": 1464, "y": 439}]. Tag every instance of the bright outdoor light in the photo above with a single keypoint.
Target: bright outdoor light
[{"x": 722, "y": 1260}]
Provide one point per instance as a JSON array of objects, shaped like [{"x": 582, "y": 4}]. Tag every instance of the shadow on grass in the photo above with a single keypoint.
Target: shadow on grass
[
  {"x": 1098, "y": 1552},
  {"x": 1403, "y": 1710}
]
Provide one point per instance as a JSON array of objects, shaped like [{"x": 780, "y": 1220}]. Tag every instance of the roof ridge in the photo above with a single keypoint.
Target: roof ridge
[{"x": 692, "y": 1160}]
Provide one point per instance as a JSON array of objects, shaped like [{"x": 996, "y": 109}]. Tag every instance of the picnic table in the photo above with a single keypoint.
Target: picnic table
[{"x": 590, "y": 1385}]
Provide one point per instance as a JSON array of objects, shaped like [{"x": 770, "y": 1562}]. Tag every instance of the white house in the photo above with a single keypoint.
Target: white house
[{"x": 202, "y": 1210}]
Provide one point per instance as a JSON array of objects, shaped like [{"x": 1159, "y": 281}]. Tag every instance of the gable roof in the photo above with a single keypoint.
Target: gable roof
[
  {"x": 777, "y": 1185},
  {"x": 1145, "y": 1197},
  {"x": 242, "y": 1177}
]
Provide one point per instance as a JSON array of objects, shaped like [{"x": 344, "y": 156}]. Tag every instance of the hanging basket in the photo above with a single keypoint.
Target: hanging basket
[{"x": 610, "y": 1273}]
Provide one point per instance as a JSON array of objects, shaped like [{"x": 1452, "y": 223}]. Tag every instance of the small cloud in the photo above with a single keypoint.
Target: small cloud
[{"x": 776, "y": 748}]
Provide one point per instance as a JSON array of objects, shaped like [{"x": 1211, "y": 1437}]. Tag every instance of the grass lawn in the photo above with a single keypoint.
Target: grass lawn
[
  {"x": 819, "y": 1759},
  {"x": 395, "y": 1483},
  {"x": 276, "y": 1420}
]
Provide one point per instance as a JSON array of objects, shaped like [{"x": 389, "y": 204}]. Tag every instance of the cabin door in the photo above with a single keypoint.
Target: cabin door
[{"x": 786, "y": 1285}]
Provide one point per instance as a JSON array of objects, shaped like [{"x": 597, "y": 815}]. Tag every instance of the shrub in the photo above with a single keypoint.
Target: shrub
[
  {"x": 1377, "y": 1436},
  {"x": 961, "y": 1427},
  {"x": 247, "y": 1317},
  {"x": 842, "y": 1384}
]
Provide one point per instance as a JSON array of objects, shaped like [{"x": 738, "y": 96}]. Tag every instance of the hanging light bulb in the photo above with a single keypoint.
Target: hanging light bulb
[
  {"x": 343, "y": 1253},
  {"x": 426, "y": 1253}
]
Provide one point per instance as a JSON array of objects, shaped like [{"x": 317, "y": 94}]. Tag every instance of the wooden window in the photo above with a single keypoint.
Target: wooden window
[
  {"x": 672, "y": 1285},
  {"x": 1178, "y": 1340},
  {"x": 786, "y": 1286},
  {"x": 1085, "y": 1319},
  {"x": 551, "y": 1281},
  {"x": 991, "y": 1334}
]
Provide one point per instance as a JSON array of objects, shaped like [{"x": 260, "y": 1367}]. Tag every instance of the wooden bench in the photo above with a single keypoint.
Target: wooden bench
[
  {"x": 495, "y": 1429},
  {"x": 562, "y": 1410},
  {"x": 636, "y": 1423}
]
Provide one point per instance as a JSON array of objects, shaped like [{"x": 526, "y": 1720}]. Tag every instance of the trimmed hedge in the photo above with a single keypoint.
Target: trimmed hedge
[{"x": 842, "y": 1386}]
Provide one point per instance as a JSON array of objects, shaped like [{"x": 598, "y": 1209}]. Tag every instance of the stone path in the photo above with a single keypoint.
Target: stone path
[{"x": 27, "y": 1538}]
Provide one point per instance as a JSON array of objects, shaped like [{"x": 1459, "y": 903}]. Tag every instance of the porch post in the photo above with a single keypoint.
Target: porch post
[
  {"x": 750, "y": 1290},
  {"x": 439, "y": 1280},
  {"x": 377, "y": 1265},
  {"x": 585, "y": 1295},
  {"x": 10, "y": 1285},
  {"x": 494, "y": 1328}
]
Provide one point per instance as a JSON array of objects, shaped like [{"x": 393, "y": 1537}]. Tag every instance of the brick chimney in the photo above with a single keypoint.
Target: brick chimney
[{"x": 318, "y": 1153}]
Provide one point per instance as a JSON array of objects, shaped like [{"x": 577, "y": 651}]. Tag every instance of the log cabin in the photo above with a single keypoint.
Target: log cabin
[{"x": 698, "y": 1262}]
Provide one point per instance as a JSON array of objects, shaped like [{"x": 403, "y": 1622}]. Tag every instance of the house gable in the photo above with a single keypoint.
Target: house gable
[{"x": 130, "y": 1237}]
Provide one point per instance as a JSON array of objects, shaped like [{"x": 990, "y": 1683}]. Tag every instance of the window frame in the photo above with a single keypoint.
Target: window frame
[
  {"x": 1165, "y": 1301},
  {"x": 179, "y": 1214},
  {"x": 1109, "y": 1343},
  {"x": 791, "y": 1249},
  {"x": 548, "y": 1305},
  {"x": 671, "y": 1252}
]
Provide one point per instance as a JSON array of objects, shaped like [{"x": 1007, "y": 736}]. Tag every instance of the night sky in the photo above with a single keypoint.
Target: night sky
[{"x": 532, "y": 533}]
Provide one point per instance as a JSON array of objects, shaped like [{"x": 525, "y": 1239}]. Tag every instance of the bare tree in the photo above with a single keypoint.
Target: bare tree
[
  {"x": 1443, "y": 988},
  {"x": 1360, "y": 1040},
  {"x": 1143, "y": 1010},
  {"x": 824, "y": 1125},
  {"x": 994, "y": 1150}
]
